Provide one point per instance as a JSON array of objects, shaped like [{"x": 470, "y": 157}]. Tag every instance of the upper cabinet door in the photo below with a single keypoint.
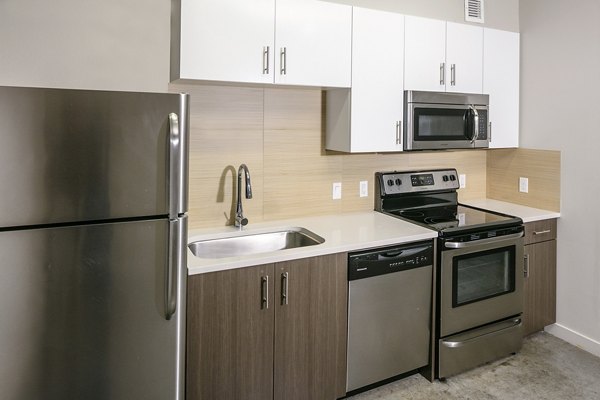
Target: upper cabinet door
[
  {"x": 313, "y": 43},
  {"x": 227, "y": 40},
  {"x": 464, "y": 58},
  {"x": 424, "y": 54},
  {"x": 501, "y": 82},
  {"x": 377, "y": 80}
]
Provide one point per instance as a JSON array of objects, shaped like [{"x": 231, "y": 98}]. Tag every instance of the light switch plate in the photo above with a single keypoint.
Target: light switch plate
[
  {"x": 462, "y": 181},
  {"x": 364, "y": 189},
  {"x": 523, "y": 185},
  {"x": 337, "y": 190}
]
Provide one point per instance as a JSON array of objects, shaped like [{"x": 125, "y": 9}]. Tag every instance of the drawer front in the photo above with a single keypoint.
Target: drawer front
[{"x": 540, "y": 231}]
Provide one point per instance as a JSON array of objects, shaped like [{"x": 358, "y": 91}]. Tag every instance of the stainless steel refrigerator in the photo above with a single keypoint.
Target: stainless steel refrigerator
[{"x": 93, "y": 202}]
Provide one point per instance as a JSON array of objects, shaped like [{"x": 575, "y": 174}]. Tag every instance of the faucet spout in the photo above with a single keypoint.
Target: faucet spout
[{"x": 240, "y": 220}]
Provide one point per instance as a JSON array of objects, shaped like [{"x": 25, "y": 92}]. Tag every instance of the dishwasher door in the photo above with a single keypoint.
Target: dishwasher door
[{"x": 389, "y": 313}]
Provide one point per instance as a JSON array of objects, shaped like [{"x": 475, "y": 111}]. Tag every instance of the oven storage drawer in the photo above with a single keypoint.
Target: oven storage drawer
[
  {"x": 469, "y": 349},
  {"x": 540, "y": 231}
]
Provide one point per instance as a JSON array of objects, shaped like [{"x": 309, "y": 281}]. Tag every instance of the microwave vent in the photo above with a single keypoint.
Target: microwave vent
[{"x": 474, "y": 11}]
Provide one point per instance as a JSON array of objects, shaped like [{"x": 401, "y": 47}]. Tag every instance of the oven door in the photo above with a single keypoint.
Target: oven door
[
  {"x": 446, "y": 126},
  {"x": 481, "y": 282}
]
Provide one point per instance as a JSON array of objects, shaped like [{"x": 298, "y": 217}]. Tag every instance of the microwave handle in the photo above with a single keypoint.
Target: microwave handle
[{"x": 473, "y": 112}]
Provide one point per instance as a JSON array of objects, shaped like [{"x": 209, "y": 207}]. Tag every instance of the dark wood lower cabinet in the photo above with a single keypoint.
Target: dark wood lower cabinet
[
  {"x": 311, "y": 329},
  {"x": 237, "y": 348},
  {"x": 540, "y": 286},
  {"x": 230, "y": 335}
]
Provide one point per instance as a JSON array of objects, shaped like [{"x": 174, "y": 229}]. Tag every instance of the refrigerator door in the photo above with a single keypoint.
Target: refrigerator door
[
  {"x": 80, "y": 155},
  {"x": 83, "y": 313}
]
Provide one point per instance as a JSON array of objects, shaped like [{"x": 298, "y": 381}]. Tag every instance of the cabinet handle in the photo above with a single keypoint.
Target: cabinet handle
[
  {"x": 526, "y": 266},
  {"x": 442, "y": 74},
  {"x": 264, "y": 292},
  {"x": 541, "y": 232},
  {"x": 283, "y": 61},
  {"x": 398, "y": 132},
  {"x": 284, "y": 288},
  {"x": 453, "y": 74},
  {"x": 266, "y": 60}
]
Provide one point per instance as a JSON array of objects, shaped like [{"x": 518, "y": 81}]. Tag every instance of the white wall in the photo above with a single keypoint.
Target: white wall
[
  {"x": 499, "y": 14},
  {"x": 560, "y": 108},
  {"x": 93, "y": 44}
]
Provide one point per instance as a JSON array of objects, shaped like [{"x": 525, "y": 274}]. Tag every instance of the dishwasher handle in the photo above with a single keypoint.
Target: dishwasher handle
[{"x": 388, "y": 260}]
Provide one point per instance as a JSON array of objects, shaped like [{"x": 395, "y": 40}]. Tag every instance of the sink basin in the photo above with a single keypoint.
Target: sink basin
[{"x": 253, "y": 243}]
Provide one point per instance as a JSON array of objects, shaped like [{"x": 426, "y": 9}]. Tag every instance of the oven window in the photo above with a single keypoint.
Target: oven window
[
  {"x": 439, "y": 124},
  {"x": 482, "y": 275}
]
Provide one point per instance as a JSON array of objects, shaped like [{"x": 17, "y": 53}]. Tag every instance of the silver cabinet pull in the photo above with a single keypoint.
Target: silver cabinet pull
[
  {"x": 442, "y": 74},
  {"x": 264, "y": 292},
  {"x": 284, "y": 289},
  {"x": 266, "y": 60},
  {"x": 283, "y": 61},
  {"x": 397, "y": 132},
  {"x": 453, "y": 74},
  {"x": 541, "y": 232},
  {"x": 526, "y": 266}
]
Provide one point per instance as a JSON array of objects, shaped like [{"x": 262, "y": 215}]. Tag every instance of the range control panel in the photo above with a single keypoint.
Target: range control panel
[{"x": 422, "y": 181}]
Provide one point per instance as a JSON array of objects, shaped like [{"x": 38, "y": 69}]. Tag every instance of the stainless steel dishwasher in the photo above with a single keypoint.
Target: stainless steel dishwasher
[{"x": 389, "y": 312}]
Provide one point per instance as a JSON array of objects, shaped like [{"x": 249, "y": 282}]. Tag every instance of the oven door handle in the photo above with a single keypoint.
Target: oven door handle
[{"x": 464, "y": 245}]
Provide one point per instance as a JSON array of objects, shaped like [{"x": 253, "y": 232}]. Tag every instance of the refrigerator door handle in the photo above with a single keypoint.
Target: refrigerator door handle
[
  {"x": 174, "y": 165},
  {"x": 175, "y": 260}
]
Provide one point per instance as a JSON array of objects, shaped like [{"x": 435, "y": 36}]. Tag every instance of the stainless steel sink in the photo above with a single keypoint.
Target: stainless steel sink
[{"x": 253, "y": 243}]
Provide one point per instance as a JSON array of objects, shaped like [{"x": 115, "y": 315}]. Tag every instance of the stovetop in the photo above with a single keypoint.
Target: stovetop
[
  {"x": 454, "y": 218},
  {"x": 429, "y": 198}
]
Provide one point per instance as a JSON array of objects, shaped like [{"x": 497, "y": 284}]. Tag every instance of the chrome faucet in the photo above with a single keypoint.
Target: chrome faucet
[{"x": 240, "y": 221}]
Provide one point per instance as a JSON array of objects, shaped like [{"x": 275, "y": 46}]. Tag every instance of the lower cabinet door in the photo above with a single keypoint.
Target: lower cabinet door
[
  {"x": 310, "y": 328},
  {"x": 539, "y": 308},
  {"x": 230, "y": 334}
]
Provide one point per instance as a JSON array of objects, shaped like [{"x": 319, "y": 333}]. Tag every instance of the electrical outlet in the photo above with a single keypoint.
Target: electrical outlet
[
  {"x": 462, "y": 181},
  {"x": 337, "y": 190},
  {"x": 523, "y": 185},
  {"x": 363, "y": 189}
]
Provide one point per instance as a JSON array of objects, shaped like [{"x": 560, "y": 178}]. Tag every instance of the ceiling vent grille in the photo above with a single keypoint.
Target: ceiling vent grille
[{"x": 474, "y": 11}]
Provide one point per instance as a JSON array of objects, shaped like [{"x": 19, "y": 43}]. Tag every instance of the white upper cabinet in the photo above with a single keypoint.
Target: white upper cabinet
[
  {"x": 313, "y": 43},
  {"x": 227, "y": 40},
  {"x": 464, "y": 58},
  {"x": 298, "y": 42},
  {"x": 424, "y": 54},
  {"x": 442, "y": 56},
  {"x": 368, "y": 118},
  {"x": 501, "y": 82}
]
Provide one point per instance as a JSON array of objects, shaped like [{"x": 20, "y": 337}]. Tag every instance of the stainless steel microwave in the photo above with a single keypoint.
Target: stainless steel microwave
[{"x": 434, "y": 120}]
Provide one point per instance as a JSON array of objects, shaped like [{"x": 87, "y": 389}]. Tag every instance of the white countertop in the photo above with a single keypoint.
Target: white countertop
[
  {"x": 343, "y": 232},
  {"x": 527, "y": 214}
]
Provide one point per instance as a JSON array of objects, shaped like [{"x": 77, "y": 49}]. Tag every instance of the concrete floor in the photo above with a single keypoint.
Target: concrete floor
[{"x": 546, "y": 368}]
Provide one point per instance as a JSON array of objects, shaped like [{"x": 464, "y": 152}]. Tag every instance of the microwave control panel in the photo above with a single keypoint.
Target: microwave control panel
[{"x": 483, "y": 125}]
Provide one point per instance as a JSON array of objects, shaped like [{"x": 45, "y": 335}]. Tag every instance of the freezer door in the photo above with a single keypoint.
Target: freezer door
[
  {"x": 83, "y": 314},
  {"x": 81, "y": 155}
]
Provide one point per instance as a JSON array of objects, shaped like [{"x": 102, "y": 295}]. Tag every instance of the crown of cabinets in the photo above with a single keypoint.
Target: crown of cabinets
[{"x": 295, "y": 42}]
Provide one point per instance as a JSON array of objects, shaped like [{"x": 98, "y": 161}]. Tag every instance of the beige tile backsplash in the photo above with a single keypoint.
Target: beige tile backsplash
[{"x": 279, "y": 134}]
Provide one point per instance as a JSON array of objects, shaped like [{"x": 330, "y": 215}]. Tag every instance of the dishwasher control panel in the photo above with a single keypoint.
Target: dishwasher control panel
[{"x": 388, "y": 260}]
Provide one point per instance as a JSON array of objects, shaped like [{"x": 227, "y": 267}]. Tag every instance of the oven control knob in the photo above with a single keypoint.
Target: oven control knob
[
  {"x": 398, "y": 182},
  {"x": 452, "y": 177},
  {"x": 445, "y": 178},
  {"x": 390, "y": 182}
]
